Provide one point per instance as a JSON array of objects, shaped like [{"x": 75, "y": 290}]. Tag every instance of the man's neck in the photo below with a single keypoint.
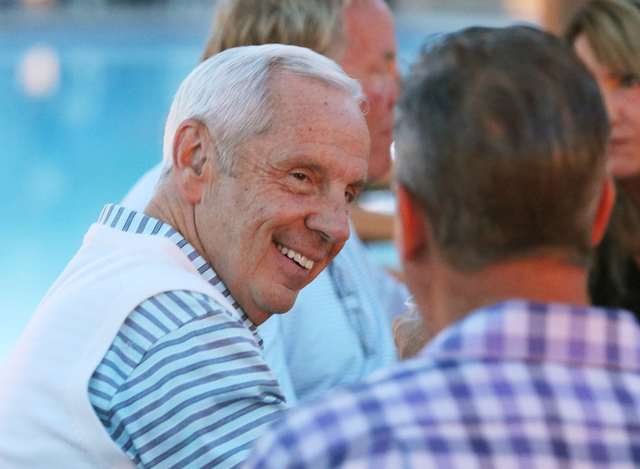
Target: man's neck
[
  {"x": 545, "y": 280},
  {"x": 168, "y": 207}
]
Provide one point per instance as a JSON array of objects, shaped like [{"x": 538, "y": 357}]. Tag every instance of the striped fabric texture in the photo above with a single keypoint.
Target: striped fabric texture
[
  {"x": 515, "y": 385},
  {"x": 184, "y": 384}
]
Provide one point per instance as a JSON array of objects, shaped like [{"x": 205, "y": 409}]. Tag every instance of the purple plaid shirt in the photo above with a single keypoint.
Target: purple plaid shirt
[{"x": 514, "y": 385}]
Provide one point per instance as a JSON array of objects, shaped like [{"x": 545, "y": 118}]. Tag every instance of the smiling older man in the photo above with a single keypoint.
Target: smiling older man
[
  {"x": 145, "y": 353},
  {"x": 339, "y": 329}
]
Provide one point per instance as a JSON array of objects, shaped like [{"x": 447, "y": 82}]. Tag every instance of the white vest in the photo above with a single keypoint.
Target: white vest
[{"x": 46, "y": 418}]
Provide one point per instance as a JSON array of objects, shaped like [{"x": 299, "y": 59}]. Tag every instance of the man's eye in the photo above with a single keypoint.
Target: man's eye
[
  {"x": 629, "y": 81},
  {"x": 300, "y": 176}
]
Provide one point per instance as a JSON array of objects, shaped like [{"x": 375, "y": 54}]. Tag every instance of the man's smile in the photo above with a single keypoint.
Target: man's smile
[{"x": 295, "y": 256}]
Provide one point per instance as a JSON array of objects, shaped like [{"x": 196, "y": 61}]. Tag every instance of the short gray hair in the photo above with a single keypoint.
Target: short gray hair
[
  {"x": 231, "y": 94},
  {"x": 501, "y": 137}
]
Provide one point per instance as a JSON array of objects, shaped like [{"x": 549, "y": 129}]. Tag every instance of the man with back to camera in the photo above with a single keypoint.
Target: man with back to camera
[
  {"x": 145, "y": 352},
  {"x": 339, "y": 330},
  {"x": 502, "y": 195}
]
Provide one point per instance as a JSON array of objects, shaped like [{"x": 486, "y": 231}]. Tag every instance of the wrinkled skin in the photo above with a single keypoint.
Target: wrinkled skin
[{"x": 291, "y": 187}]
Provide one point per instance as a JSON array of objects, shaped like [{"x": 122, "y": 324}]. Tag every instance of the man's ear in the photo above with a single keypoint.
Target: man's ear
[
  {"x": 192, "y": 146},
  {"x": 411, "y": 233},
  {"x": 603, "y": 213}
]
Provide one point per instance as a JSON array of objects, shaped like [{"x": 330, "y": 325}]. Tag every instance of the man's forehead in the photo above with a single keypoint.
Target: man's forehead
[
  {"x": 315, "y": 159},
  {"x": 311, "y": 116},
  {"x": 362, "y": 15},
  {"x": 370, "y": 34},
  {"x": 287, "y": 84},
  {"x": 299, "y": 99}
]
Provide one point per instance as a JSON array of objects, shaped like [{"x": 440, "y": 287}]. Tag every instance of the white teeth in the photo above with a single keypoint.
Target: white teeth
[{"x": 299, "y": 258}]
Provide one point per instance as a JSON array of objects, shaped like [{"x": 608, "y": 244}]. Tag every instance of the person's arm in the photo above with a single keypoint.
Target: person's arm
[{"x": 184, "y": 384}]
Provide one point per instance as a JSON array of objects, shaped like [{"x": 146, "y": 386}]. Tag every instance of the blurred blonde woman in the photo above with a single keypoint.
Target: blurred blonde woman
[{"x": 606, "y": 36}]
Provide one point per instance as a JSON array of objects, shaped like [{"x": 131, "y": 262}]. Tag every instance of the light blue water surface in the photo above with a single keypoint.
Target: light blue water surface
[{"x": 63, "y": 157}]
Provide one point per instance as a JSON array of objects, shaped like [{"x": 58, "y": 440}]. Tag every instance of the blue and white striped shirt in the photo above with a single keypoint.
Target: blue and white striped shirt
[
  {"x": 183, "y": 384},
  {"x": 514, "y": 385}
]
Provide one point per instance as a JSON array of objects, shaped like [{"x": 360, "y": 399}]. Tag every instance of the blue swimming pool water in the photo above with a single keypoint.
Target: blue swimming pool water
[{"x": 64, "y": 156}]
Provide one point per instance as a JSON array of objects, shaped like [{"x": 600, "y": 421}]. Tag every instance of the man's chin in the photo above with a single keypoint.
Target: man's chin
[
  {"x": 277, "y": 298},
  {"x": 283, "y": 306},
  {"x": 277, "y": 304}
]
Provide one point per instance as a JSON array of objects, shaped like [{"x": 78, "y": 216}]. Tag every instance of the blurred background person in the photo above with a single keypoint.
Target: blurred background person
[
  {"x": 606, "y": 36},
  {"x": 339, "y": 330}
]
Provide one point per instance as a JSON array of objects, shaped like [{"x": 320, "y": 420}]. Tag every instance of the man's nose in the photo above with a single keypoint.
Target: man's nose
[
  {"x": 330, "y": 221},
  {"x": 387, "y": 90}
]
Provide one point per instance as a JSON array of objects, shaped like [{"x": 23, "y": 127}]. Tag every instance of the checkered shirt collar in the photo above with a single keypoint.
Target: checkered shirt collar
[
  {"x": 535, "y": 332},
  {"x": 130, "y": 221}
]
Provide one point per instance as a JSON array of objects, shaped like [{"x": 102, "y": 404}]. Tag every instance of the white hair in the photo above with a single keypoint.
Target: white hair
[{"x": 230, "y": 94}]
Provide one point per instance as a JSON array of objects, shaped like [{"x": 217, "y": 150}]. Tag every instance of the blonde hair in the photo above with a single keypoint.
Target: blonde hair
[
  {"x": 612, "y": 28},
  {"x": 314, "y": 24}
]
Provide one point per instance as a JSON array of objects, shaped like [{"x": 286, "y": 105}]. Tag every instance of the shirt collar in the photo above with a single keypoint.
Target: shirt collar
[
  {"x": 553, "y": 332},
  {"x": 130, "y": 221}
]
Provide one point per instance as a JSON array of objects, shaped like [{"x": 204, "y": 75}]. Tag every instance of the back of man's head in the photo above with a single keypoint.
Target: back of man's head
[{"x": 501, "y": 139}]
